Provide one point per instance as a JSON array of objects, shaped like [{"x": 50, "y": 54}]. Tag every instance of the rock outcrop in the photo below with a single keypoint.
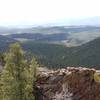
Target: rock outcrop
[{"x": 67, "y": 84}]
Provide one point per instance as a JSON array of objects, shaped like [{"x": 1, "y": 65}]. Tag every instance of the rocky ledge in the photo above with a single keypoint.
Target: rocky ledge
[{"x": 67, "y": 84}]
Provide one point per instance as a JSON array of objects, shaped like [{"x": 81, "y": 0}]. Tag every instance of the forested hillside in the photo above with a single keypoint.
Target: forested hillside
[
  {"x": 52, "y": 55},
  {"x": 55, "y": 55},
  {"x": 5, "y": 41}
]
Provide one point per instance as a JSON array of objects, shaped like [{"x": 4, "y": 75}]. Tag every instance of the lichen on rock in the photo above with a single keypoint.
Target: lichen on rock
[{"x": 97, "y": 76}]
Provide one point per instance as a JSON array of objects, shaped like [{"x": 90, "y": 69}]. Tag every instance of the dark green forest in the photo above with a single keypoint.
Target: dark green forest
[
  {"x": 58, "y": 56},
  {"x": 53, "y": 55}
]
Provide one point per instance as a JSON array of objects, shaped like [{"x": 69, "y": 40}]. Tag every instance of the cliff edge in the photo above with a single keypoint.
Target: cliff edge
[{"x": 67, "y": 84}]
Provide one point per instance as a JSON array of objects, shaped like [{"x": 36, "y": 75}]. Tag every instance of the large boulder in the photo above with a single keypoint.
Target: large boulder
[{"x": 67, "y": 84}]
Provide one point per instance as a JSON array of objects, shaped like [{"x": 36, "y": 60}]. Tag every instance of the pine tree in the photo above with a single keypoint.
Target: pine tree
[
  {"x": 17, "y": 78},
  {"x": 31, "y": 78}
]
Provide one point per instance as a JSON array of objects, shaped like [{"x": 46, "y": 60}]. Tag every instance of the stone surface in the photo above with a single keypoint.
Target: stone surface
[{"x": 67, "y": 84}]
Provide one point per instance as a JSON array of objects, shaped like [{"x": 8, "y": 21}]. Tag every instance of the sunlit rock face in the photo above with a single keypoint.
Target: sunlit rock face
[{"x": 67, "y": 84}]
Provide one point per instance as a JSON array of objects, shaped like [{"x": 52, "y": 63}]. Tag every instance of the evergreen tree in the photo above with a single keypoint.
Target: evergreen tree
[
  {"x": 31, "y": 78},
  {"x": 17, "y": 78}
]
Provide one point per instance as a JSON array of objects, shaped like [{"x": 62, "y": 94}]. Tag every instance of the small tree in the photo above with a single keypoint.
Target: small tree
[{"x": 16, "y": 78}]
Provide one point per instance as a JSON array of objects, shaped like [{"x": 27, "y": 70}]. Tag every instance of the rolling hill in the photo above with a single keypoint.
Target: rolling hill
[{"x": 67, "y": 35}]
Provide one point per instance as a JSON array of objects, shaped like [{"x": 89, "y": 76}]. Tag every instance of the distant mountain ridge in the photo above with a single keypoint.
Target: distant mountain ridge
[
  {"x": 67, "y": 35},
  {"x": 93, "y": 21},
  {"x": 40, "y": 37},
  {"x": 46, "y": 29},
  {"x": 89, "y": 21}
]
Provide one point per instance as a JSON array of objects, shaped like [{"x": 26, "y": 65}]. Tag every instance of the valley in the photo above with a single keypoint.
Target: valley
[{"x": 68, "y": 46}]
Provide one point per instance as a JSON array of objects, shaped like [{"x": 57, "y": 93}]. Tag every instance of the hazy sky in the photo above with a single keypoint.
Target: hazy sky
[{"x": 20, "y": 12}]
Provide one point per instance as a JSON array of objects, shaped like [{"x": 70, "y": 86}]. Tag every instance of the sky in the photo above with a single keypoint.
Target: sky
[{"x": 38, "y": 12}]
